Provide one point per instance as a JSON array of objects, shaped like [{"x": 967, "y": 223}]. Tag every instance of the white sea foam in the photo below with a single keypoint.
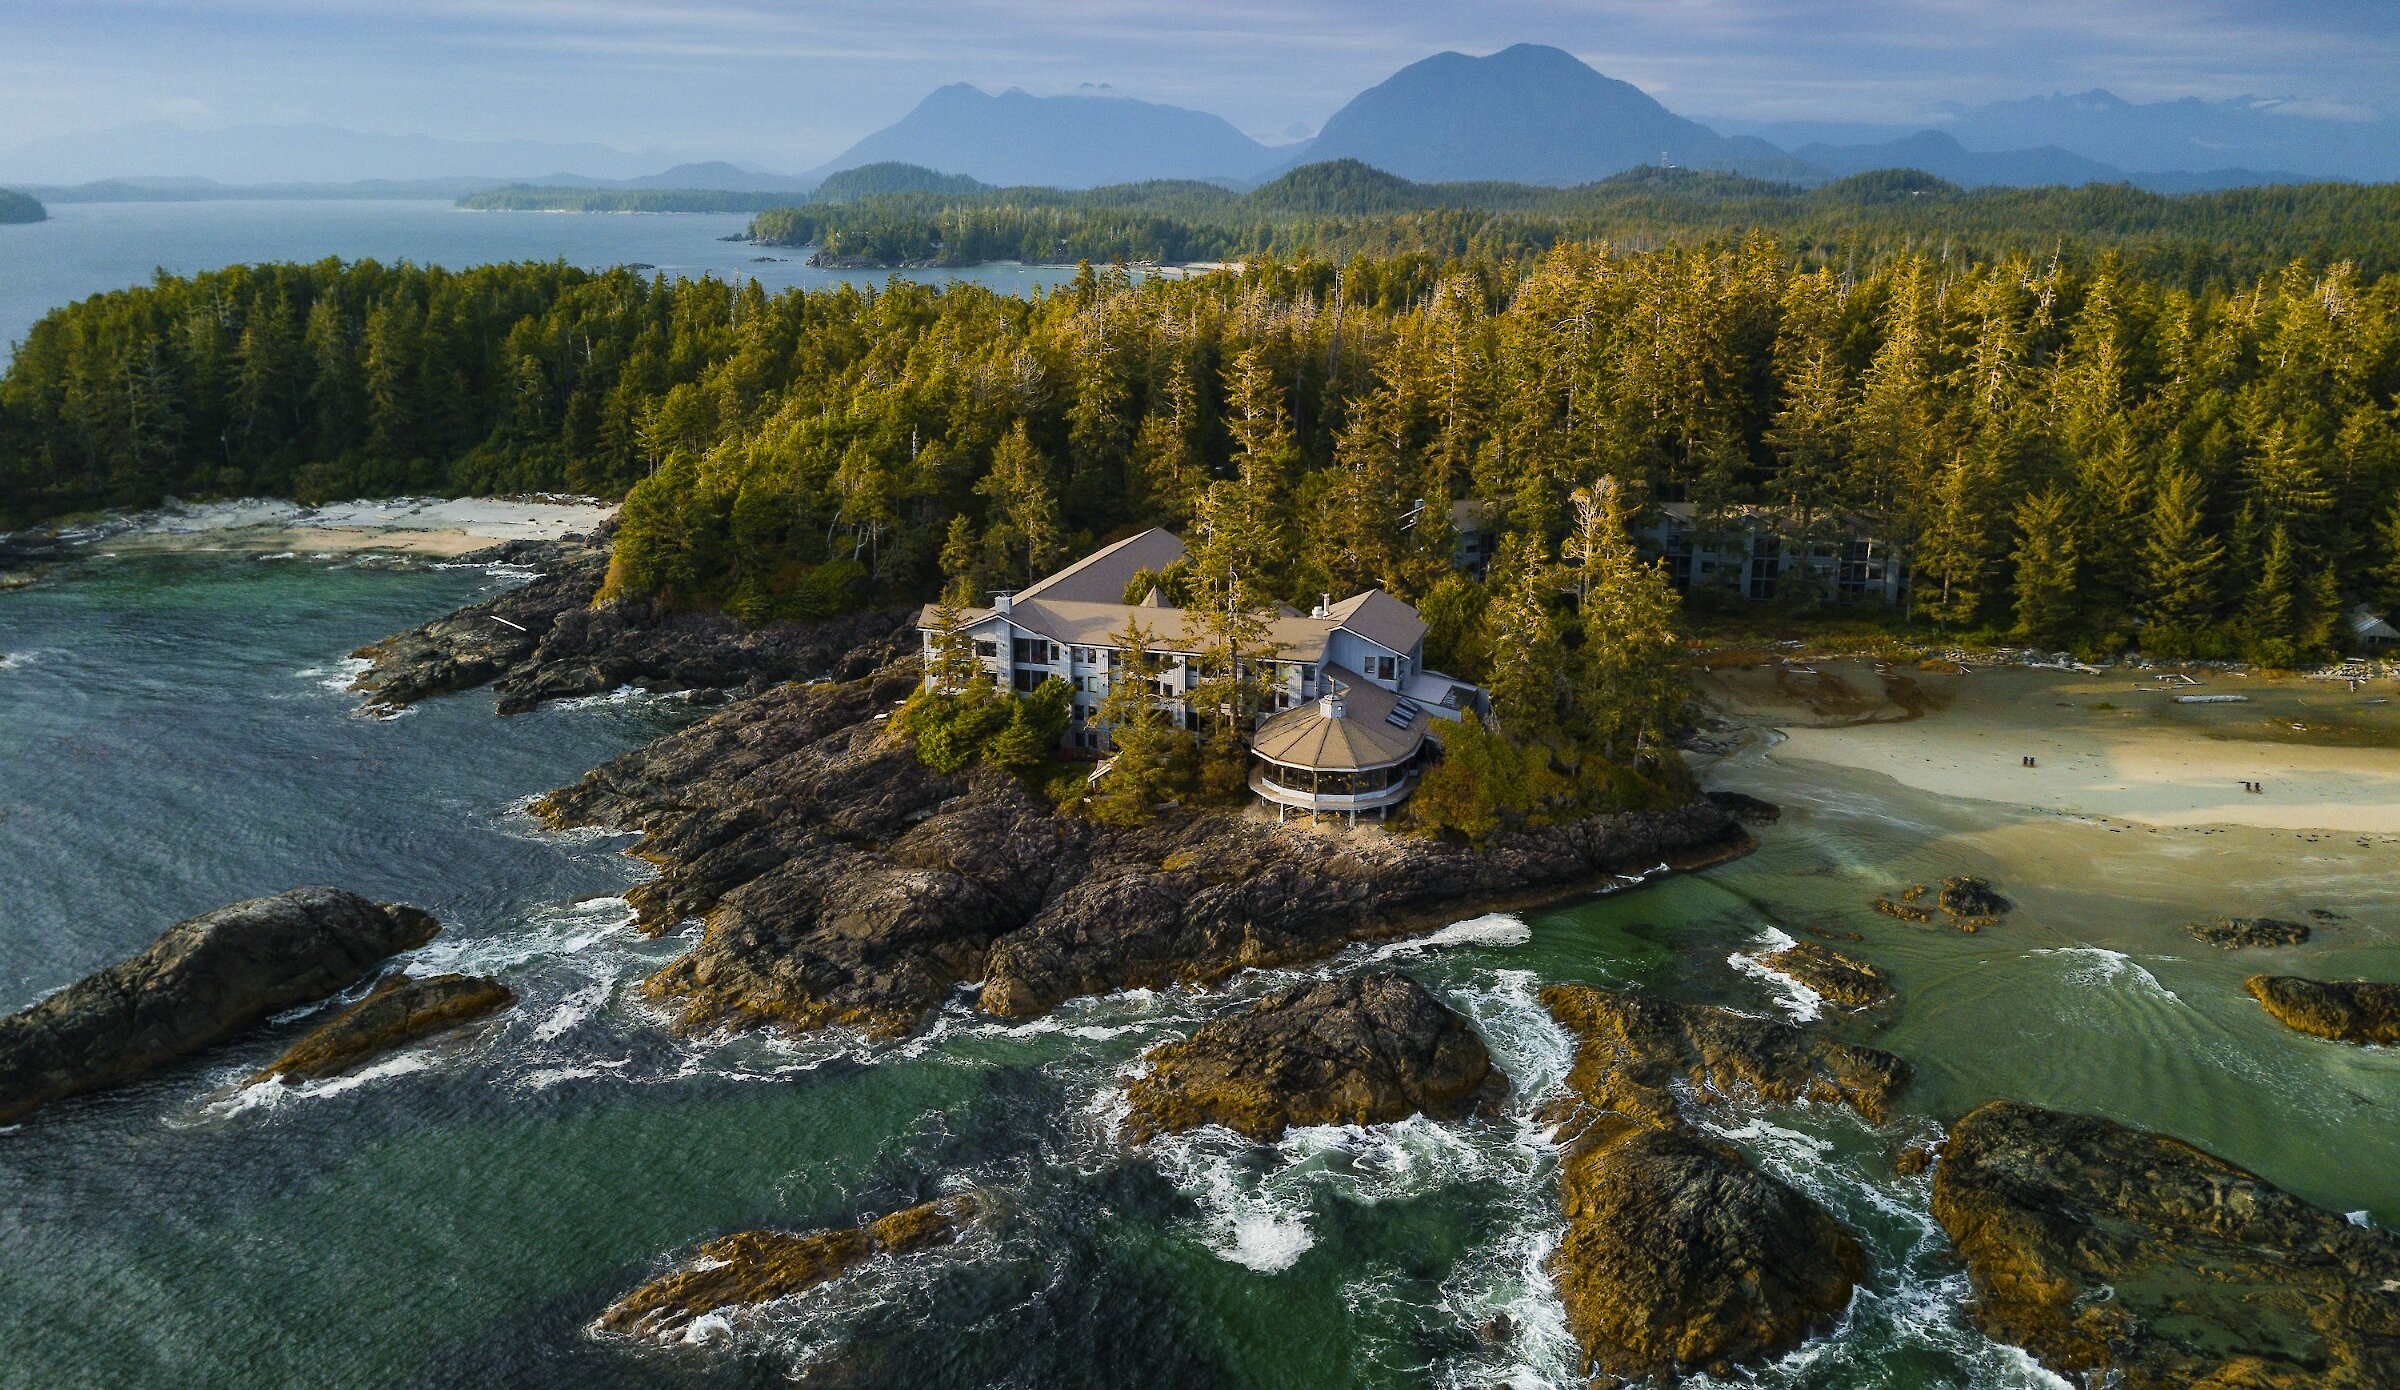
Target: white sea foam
[
  {"x": 1805, "y": 1005},
  {"x": 271, "y": 1095},
  {"x": 1491, "y": 929},
  {"x": 18, "y": 661},
  {"x": 1525, "y": 1041},
  {"x": 2104, "y": 967},
  {"x": 337, "y": 676}
]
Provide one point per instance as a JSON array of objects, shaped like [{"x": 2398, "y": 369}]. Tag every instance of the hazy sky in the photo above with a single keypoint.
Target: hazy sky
[{"x": 790, "y": 82}]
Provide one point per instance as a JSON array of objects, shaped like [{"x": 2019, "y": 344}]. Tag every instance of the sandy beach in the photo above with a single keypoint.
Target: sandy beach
[
  {"x": 411, "y": 525},
  {"x": 2324, "y": 755}
]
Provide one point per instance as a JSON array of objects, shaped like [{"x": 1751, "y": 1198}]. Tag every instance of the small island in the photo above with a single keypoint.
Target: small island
[{"x": 21, "y": 207}]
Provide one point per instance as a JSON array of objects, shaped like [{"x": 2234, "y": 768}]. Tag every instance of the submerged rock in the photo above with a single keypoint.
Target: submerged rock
[
  {"x": 399, "y": 1012},
  {"x": 1853, "y": 984},
  {"x": 1680, "y": 1255},
  {"x": 754, "y": 1267},
  {"x": 2234, "y": 933},
  {"x": 843, "y": 882},
  {"x": 1364, "y": 1050},
  {"x": 205, "y": 979},
  {"x": 2135, "y": 1260},
  {"x": 2351, "y": 1011},
  {"x": 552, "y": 639}
]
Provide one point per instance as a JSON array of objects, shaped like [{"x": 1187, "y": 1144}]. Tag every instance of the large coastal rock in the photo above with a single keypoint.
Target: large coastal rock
[
  {"x": 1680, "y": 1255},
  {"x": 399, "y": 1012},
  {"x": 2124, "y": 1258},
  {"x": 1363, "y": 1050},
  {"x": 754, "y": 1267},
  {"x": 204, "y": 980},
  {"x": 549, "y": 639},
  {"x": 844, "y": 882},
  {"x": 2351, "y": 1011}
]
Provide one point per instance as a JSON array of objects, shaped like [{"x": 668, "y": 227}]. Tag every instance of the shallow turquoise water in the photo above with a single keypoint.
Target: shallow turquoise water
[{"x": 457, "y": 1215}]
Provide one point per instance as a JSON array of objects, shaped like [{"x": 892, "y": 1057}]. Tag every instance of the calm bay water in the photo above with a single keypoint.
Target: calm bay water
[
  {"x": 88, "y": 248},
  {"x": 170, "y": 740}
]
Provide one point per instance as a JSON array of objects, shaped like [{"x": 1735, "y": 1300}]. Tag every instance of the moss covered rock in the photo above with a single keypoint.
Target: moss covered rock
[
  {"x": 399, "y": 1012},
  {"x": 1853, "y": 984},
  {"x": 2351, "y": 1011},
  {"x": 1680, "y": 1255},
  {"x": 754, "y": 1267}
]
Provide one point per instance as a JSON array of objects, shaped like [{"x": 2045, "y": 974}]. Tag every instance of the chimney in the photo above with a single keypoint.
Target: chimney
[
  {"x": 1004, "y": 602},
  {"x": 1324, "y": 605},
  {"x": 1330, "y": 705}
]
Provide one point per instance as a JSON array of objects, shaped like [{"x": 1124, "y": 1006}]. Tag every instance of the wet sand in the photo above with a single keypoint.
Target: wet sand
[
  {"x": 439, "y": 527},
  {"x": 2117, "y": 746}
]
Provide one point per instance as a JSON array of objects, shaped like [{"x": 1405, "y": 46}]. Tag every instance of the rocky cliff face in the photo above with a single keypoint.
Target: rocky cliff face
[
  {"x": 1364, "y": 1050},
  {"x": 547, "y": 640},
  {"x": 1680, "y": 1256},
  {"x": 844, "y": 882},
  {"x": 2351, "y": 1011},
  {"x": 399, "y": 1012},
  {"x": 2135, "y": 1260},
  {"x": 204, "y": 980}
]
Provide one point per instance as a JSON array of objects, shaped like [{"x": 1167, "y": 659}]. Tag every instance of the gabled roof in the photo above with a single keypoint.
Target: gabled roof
[
  {"x": 1101, "y": 576},
  {"x": 1380, "y": 619},
  {"x": 1363, "y": 737}
]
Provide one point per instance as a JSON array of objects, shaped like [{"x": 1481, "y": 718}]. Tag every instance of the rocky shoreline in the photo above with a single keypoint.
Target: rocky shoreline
[
  {"x": 843, "y": 882},
  {"x": 550, "y": 639}
]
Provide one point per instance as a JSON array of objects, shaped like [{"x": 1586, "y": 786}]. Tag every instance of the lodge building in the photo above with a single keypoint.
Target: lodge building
[{"x": 1353, "y": 713}]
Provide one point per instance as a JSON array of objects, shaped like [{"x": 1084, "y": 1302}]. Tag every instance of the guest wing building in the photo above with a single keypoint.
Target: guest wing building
[{"x": 1354, "y": 712}]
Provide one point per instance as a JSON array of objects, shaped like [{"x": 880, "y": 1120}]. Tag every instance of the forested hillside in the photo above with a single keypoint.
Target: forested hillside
[
  {"x": 2066, "y": 450},
  {"x": 1344, "y": 208}
]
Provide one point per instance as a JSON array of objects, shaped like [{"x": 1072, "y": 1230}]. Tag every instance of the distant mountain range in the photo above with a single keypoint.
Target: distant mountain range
[{"x": 1528, "y": 113}]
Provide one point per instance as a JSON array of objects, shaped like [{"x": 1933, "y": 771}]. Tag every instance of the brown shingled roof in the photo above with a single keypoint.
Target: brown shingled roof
[{"x": 1362, "y": 738}]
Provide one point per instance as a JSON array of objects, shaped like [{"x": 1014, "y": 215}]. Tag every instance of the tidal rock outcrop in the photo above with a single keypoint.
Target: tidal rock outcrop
[
  {"x": 1363, "y": 1050},
  {"x": 551, "y": 639},
  {"x": 754, "y": 1267},
  {"x": 843, "y": 882},
  {"x": 400, "y": 1011},
  {"x": 1680, "y": 1255},
  {"x": 1969, "y": 903},
  {"x": 2351, "y": 1011},
  {"x": 204, "y": 980},
  {"x": 2125, "y": 1258},
  {"x": 1828, "y": 973},
  {"x": 2236, "y": 933}
]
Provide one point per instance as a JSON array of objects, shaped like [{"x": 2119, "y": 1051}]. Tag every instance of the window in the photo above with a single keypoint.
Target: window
[
  {"x": 986, "y": 648},
  {"x": 1027, "y": 680},
  {"x": 1387, "y": 668},
  {"x": 1308, "y": 676}
]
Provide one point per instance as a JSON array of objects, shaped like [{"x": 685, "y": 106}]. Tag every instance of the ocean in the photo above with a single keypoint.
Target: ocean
[
  {"x": 89, "y": 248},
  {"x": 173, "y": 737}
]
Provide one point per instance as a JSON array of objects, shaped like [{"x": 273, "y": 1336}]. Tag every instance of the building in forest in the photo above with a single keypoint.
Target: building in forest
[
  {"x": 1349, "y": 709},
  {"x": 1755, "y": 552}
]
